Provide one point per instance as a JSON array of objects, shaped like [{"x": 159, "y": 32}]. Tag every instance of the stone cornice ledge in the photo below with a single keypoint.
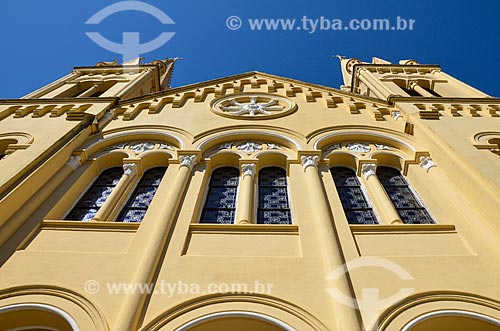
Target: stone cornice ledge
[
  {"x": 245, "y": 228},
  {"x": 89, "y": 226},
  {"x": 402, "y": 228}
]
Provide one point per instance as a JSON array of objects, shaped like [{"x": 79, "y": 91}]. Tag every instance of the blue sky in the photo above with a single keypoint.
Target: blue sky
[{"x": 43, "y": 40}]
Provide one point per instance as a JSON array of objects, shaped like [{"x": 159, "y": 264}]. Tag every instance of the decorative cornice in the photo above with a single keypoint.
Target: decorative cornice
[
  {"x": 369, "y": 169},
  {"x": 309, "y": 161},
  {"x": 188, "y": 161},
  {"x": 248, "y": 169}
]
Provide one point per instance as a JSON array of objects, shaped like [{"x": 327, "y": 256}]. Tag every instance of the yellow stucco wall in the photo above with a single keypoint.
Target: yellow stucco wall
[{"x": 452, "y": 265}]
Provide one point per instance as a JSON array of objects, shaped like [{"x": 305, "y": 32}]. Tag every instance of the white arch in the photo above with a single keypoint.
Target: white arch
[
  {"x": 214, "y": 316},
  {"x": 42, "y": 307},
  {"x": 450, "y": 312}
]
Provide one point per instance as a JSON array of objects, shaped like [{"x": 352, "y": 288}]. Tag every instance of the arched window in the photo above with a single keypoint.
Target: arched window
[
  {"x": 404, "y": 200},
  {"x": 95, "y": 196},
  {"x": 356, "y": 207},
  {"x": 220, "y": 206},
  {"x": 141, "y": 198},
  {"x": 273, "y": 197}
]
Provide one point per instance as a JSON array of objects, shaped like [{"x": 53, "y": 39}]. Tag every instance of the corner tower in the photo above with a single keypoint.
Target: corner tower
[
  {"x": 382, "y": 79},
  {"x": 110, "y": 79}
]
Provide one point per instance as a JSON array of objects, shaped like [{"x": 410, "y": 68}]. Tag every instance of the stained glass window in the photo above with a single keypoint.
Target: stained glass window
[
  {"x": 273, "y": 207},
  {"x": 356, "y": 207},
  {"x": 220, "y": 207},
  {"x": 141, "y": 198},
  {"x": 95, "y": 196},
  {"x": 404, "y": 200}
]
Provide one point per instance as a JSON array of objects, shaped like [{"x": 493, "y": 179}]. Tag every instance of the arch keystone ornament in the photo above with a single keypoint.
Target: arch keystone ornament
[{"x": 253, "y": 106}]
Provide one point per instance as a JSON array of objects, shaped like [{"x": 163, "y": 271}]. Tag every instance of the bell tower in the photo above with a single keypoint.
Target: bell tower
[
  {"x": 382, "y": 79},
  {"x": 110, "y": 79}
]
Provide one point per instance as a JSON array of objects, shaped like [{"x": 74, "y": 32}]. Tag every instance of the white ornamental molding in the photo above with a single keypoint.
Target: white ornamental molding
[
  {"x": 273, "y": 146},
  {"x": 248, "y": 169},
  {"x": 253, "y": 106},
  {"x": 165, "y": 146},
  {"x": 129, "y": 169},
  {"x": 225, "y": 146},
  {"x": 426, "y": 163},
  {"x": 188, "y": 161},
  {"x": 381, "y": 146},
  {"x": 358, "y": 147},
  {"x": 74, "y": 162},
  {"x": 250, "y": 147},
  {"x": 139, "y": 147},
  {"x": 142, "y": 146},
  {"x": 369, "y": 169},
  {"x": 309, "y": 161},
  {"x": 332, "y": 148},
  {"x": 116, "y": 146}
]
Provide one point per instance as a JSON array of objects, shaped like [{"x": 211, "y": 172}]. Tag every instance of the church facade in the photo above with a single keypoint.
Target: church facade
[{"x": 250, "y": 202}]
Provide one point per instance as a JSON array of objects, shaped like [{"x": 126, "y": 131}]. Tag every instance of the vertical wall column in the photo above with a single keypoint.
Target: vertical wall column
[
  {"x": 129, "y": 171},
  {"x": 381, "y": 202},
  {"x": 30, "y": 206},
  {"x": 245, "y": 200},
  {"x": 90, "y": 91},
  {"x": 377, "y": 87},
  {"x": 133, "y": 305},
  {"x": 420, "y": 90},
  {"x": 346, "y": 317},
  {"x": 145, "y": 75}
]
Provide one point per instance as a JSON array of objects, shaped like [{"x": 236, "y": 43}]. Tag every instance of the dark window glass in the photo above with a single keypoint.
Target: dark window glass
[
  {"x": 141, "y": 198},
  {"x": 410, "y": 92},
  {"x": 402, "y": 197},
  {"x": 95, "y": 196},
  {"x": 431, "y": 91},
  {"x": 273, "y": 207},
  {"x": 220, "y": 207},
  {"x": 356, "y": 207}
]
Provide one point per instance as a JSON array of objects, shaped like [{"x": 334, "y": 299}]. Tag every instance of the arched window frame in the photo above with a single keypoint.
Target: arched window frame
[
  {"x": 98, "y": 183},
  {"x": 365, "y": 196},
  {"x": 140, "y": 190},
  {"x": 259, "y": 219},
  {"x": 414, "y": 195},
  {"x": 208, "y": 199}
]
